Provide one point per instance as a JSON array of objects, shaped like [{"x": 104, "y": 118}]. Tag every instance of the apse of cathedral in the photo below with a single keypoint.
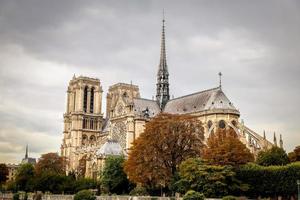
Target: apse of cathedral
[{"x": 89, "y": 137}]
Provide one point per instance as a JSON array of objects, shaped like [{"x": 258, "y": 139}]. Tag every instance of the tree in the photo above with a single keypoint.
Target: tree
[
  {"x": 51, "y": 162},
  {"x": 294, "y": 155},
  {"x": 224, "y": 148},
  {"x": 273, "y": 156},
  {"x": 212, "y": 181},
  {"x": 166, "y": 141},
  {"x": 3, "y": 173},
  {"x": 113, "y": 176},
  {"x": 25, "y": 177}
]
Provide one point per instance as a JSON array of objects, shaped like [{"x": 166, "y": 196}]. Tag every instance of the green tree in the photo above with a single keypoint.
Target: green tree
[
  {"x": 212, "y": 181},
  {"x": 167, "y": 141},
  {"x": 273, "y": 156},
  {"x": 3, "y": 173},
  {"x": 113, "y": 176},
  {"x": 25, "y": 177},
  {"x": 224, "y": 148}
]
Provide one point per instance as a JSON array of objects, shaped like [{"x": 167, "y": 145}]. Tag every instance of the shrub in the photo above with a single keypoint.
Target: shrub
[
  {"x": 139, "y": 191},
  {"x": 16, "y": 196},
  {"x": 193, "y": 195},
  {"x": 84, "y": 195},
  {"x": 229, "y": 197}
]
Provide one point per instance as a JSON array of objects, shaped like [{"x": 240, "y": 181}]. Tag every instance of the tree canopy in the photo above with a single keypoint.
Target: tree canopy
[
  {"x": 113, "y": 178},
  {"x": 166, "y": 141},
  {"x": 51, "y": 162},
  {"x": 25, "y": 177},
  {"x": 3, "y": 173},
  {"x": 273, "y": 156},
  {"x": 213, "y": 181},
  {"x": 224, "y": 148},
  {"x": 294, "y": 155}
]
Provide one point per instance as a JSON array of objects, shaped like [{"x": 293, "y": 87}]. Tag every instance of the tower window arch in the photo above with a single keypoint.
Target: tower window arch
[
  {"x": 222, "y": 124},
  {"x": 85, "y": 95},
  {"x": 92, "y": 100},
  {"x": 209, "y": 124}
]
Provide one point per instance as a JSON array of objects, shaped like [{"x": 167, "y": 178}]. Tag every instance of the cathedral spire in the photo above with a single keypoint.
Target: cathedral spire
[{"x": 162, "y": 85}]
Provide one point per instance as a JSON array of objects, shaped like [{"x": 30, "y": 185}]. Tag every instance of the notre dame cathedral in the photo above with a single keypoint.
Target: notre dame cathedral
[{"x": 88, "y": 134}]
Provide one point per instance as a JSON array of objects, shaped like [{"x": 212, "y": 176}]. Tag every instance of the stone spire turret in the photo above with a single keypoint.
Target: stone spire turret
[
  {"x": 26, "y": 153},
  {"x": 162, "y": 85},
  {"x": 281, "y": 142},
  {"x": 264, "y": 135},
  {"x": 275, "y": 140}
]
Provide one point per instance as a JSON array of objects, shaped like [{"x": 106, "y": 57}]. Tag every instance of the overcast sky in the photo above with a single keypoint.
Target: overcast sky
[{"x": 255, "y": 44}]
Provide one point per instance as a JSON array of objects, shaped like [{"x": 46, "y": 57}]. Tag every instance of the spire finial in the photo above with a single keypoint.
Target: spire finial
[
  {"x": 264, "y": 134},
  {"x": 220, "y": 79}
]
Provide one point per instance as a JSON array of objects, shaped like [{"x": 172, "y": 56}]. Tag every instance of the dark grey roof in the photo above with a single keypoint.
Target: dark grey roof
[
  {"x": 207, "y": 100},
  {"x": 28, "y": 160},
  {"x": 110, "y": 147},
  {"x": 142, "y": 105}
]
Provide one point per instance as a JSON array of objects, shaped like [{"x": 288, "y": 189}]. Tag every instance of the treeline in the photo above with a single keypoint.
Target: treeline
[{"x": 170, "y": 157}]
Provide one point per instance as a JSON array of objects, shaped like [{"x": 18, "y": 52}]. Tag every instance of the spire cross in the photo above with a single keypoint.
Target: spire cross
[{"x": 220, "y": 79}]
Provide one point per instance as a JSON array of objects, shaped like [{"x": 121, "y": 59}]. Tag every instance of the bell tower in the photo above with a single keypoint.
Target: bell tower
[{"x": 83, "y": 118}]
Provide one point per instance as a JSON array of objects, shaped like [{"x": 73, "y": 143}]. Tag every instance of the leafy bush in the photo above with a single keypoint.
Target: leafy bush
[
  {"x": 16, "y": 196},
  {"x": 139, "y": 191},
  {"x": 270, "y": 181},
  {"x": 84, "y": 195},
  {"x": 273, "y": 156},
  {"x": 193, "y": 195},
  {"x": 229, "y": 197},
  {"x": 213, "y": 181}
]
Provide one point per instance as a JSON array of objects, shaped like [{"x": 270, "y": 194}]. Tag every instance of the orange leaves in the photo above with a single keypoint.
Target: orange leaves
[
  {"x": 166, "y": 142},
  {"x": 224, "y": 148}
]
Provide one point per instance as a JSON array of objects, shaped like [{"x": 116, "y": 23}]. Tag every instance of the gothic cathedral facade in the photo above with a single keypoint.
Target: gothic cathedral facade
[{"x": 89, "y": 137}]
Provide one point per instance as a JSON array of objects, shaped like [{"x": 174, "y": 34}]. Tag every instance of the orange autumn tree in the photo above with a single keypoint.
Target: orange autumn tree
[
  {"x": 51, "y": 162},
  {"x": 224, "y": 148},
  {"x": 167, "y": 141}
]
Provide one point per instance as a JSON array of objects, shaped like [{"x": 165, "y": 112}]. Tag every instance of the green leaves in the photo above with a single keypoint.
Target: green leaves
[{"x": 273, "y": 156}]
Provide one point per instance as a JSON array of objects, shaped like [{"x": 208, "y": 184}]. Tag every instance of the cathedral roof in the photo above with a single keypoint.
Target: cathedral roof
[
  {"x": 110, "y": 148},
  {"x": 208, "y": 100},
  {"x": 145, "y": 106}
]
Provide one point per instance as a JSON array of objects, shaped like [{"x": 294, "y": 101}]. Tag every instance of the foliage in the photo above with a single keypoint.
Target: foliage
[
  {"x": 3, "y": 173},
  {"x": 25, "y": 177},
  {"x": 294, "y": 155},
  {"x": 229, "y": 197},
  {"x": 193, "y": 195},
  {"x": 139, "y": 191},
  {"x": 273, "y": 156},
  {"x": 85, "y": 183},
  {"x": 50, "y": 181},
  {"x": 16, "y": 196},
  {"x": 213, "y": 181},
  {"x": 113, "y": 176},
  {"x": 224, "y": 148},
  {"x": 167, "y": 140},
  {"x": 270, "y": 181},
  {"x": 51, "y": 162},
  {"x": 84, "y": 195}
]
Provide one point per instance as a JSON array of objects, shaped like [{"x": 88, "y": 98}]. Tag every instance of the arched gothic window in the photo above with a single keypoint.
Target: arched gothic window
[
  {"x": 85, "y": 99},
  {"x": 92, "y": 101},
  {"x": 209, "y": 124},
  {"x": 222, "y": 124},
  {"x": 84, "y": 139}
]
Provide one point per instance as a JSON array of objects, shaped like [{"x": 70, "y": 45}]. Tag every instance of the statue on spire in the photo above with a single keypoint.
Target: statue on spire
[{"x": 162, "y": 85}]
